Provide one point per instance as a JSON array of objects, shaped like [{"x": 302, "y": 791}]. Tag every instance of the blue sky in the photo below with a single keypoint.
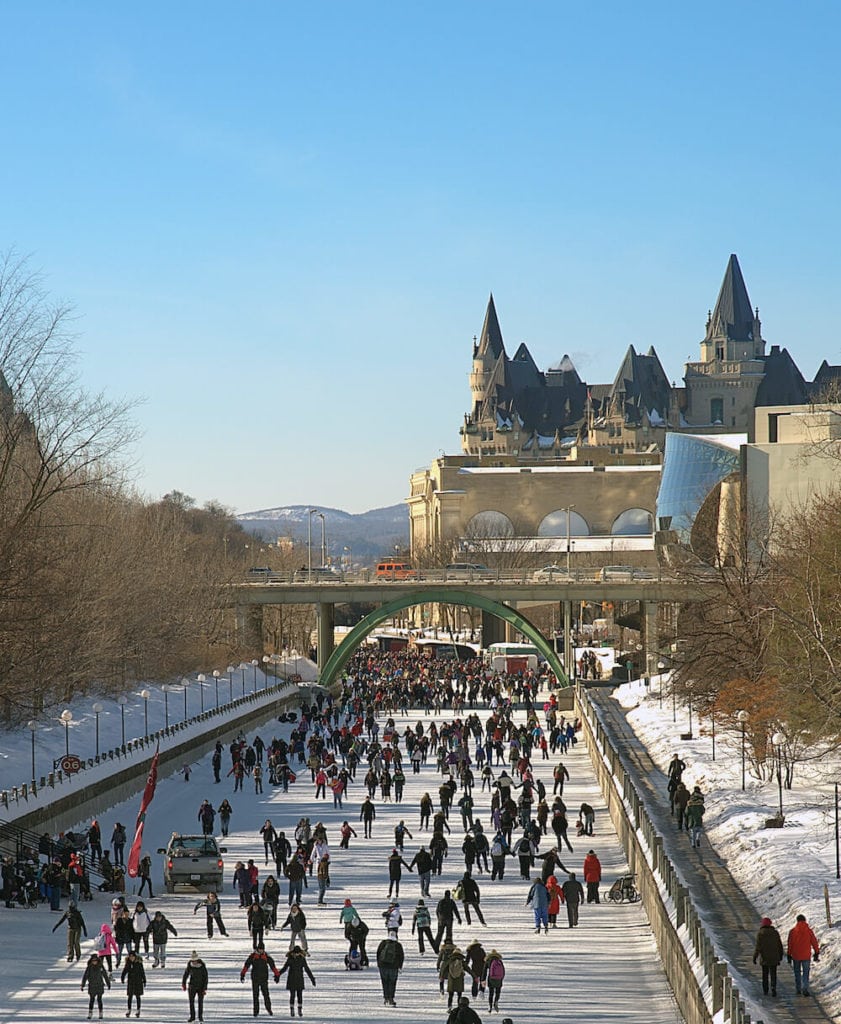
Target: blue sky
[{"x": 279, "y": 223}]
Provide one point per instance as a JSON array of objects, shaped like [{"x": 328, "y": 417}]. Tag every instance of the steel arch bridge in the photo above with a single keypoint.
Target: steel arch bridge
[{"x": 341, "y": 654}]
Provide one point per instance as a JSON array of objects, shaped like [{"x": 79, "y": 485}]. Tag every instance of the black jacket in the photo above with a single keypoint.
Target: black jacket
[
  {"x": 260, "y": 963},
  {"x": 195, "y": 976}
]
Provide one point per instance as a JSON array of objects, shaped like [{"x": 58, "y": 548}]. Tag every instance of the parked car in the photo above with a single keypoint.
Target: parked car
[
  {"x": 551, "y": 572},
  {"x": 622, "y": 573},
  {"x": 193, "y": 860}
]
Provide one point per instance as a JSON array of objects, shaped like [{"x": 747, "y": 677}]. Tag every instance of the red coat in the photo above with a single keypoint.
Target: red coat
[
  {"x": 554, "y": 895},
  {"x": 592, "y": 868},
  {"x": 801, "y": 942}
]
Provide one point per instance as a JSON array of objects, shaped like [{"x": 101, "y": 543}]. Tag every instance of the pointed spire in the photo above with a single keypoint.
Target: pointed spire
[
  {"x": 733, "y": 316},
  {"x": 490, "y": 339}
]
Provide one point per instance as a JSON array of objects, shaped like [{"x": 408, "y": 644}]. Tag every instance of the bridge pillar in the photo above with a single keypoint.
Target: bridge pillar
[
  {"x": 325, "y": 614},
  {"x": 493, "y": 629},
  {"x": 650, "y": 638}
]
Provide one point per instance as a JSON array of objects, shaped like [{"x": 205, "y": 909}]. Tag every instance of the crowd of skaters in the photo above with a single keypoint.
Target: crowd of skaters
[{"x": 353, "y": 741}]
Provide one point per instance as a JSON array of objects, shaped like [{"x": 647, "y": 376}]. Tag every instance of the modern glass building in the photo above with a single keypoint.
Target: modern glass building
[{"x": 692, "y": 466}]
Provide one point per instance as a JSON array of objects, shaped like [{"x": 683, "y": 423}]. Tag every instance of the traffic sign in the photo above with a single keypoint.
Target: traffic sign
[{"x": 70, "y": 763}]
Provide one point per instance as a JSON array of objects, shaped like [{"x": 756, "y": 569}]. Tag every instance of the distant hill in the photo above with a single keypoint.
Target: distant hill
[{"x": 369, "y": 535}]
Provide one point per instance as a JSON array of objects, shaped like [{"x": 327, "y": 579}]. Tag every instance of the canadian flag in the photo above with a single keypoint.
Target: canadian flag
[{"x": 148, "y": 794}]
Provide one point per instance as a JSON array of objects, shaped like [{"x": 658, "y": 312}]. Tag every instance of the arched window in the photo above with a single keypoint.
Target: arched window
[
  {"x": 490, "y": 524},
  {"x": 633, "y": 522},
  {"x": 555, "y": 525}
]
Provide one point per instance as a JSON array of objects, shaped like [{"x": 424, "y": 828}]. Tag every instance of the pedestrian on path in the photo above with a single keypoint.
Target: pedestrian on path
[
  {"x": 802, "y": 946},
  {"x": 538, "y": 900},
  {"x": 769, "y": 951},
  {"x": 494, "y": 975},
  {"x": 194, "y": 983}
]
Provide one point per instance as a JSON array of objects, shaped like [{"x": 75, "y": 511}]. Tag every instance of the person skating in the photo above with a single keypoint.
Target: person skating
[
  {"x": 257, "y": 918},
  {"x": 295, "y": 968},
  {"x": 470, "y": 897},
  {"x": 769, "y": 951},
  {"x": 367, "y": 814},
  {"x": 446, "y": 910},
  {"x": 476, "y": 956},
  {"x": 573, "y": 897},
  {"x": 145, "y": 872},
  {"x": 296, "y": 921},
  {"x": 75, "y": 927},
  {"x": 456, "y": 970},
  {"x": 260, "y": 963},
  {"x": 393, "y": 918},
  {"x": 423, "y": 861},
  {"x": 96, "y": 978},
  {"x": 214, "y": 914},
  {"x": 389, "y": 963},
  {"x": 463, "y": 1013},
  {"x": 538, "y": 900},
  {"x": 395, "y": 871},
  {"x": 799, "y": 949},
  {"x": 134, "y": 978},
  {"x": 592, "y": 876},
  {"x": 194, "y": 982},
  {"x": 494, "y": 975},
  {"x": 422, "y": 921},
  {"x": 159, "y": 928},
  {"x": 141, "y": 924}
]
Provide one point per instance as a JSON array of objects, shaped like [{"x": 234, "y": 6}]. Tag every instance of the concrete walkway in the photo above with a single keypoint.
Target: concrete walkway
[{"x": 731, "y": 919}]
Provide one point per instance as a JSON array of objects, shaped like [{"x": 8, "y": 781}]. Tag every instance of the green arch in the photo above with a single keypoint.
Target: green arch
[{"x": 340, "y": 656}]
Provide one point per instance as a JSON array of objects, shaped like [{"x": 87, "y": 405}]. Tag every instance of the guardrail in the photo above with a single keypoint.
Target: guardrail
[
  {"x": 634, "y": 575},
  {"x": 682, "y": 939}
]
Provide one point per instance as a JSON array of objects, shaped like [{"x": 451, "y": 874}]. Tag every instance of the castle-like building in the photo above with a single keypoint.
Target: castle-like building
[{"x": 522, "y": 414}]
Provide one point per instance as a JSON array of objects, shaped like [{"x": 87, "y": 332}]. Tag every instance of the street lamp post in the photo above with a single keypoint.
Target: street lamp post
[
  {"x": 230, "y": 670},
  {"x": 310, "y": 513},
  {"x": 243, "y": 668},
  {"x": 33, "y": 725},
  {"x": 266, "y": 660},
  {"x": 67, "y": 717},
  {"x": 569, "y": 509},
  {"x": 122, "y": 700},
  {"x": 742, "y": 718},
  {"x": 185, "y": 682},
  {"x": 689, "y": 684},
  {"x": 201, "y": 679},
  {"x": 165, "y": 689},
  {"x": 778, "y": 739},
  {"x": 294, "y": 653},
  {"x": 712, "y": 727},
  {"x": 323, "y": 540},
  {"x": 254, "y": 664},
  {"x": 145, "y": 694},
  {"x": 97, "y": 710},
  {"x": 660, "y": 666}
]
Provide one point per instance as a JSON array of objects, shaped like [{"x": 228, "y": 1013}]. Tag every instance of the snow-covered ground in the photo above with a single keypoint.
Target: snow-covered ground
[
  {"x": 607, "y": 969},
  {"x": 783, "y": 872}
]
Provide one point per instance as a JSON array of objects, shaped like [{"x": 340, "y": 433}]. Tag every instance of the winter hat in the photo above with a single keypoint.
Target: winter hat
[
  {"x": 116, "y": 903},
  {"x": 348, "y": 903},
  {"x": 194, "y": 957},
  {"x": 421, "y": 903},
  {"x": 765, "y": 922}
]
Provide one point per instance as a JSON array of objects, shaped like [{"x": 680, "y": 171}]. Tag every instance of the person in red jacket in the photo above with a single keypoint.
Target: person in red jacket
[
  {"x": 801, "y": 945},
  {"x": 592, "y": 876}
]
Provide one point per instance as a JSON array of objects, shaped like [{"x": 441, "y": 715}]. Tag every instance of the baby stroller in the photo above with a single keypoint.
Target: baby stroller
[{"x": 624, "y": 890}]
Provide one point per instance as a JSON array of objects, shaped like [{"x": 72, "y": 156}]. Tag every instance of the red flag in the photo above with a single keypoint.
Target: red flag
[{"x": 148, "y": 793}]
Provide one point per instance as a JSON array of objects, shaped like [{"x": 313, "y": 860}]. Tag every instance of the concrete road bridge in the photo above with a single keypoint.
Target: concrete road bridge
[{"x": 501, "y": 599}]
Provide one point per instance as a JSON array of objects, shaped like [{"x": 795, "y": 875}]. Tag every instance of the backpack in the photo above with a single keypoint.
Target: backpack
[
  {"x": 100, "y": 943},
  {"x": 496, "y": 971},
  {"x": 456, "y": 968},
  {"x": 496, "y": 849},
  {"x": 389, "y": 954}
]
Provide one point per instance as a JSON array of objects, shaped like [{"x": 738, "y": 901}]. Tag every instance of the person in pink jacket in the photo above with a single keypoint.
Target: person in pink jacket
[
  {"x": 106, "y": 946},
  {"x": 802, "y": 944}
]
